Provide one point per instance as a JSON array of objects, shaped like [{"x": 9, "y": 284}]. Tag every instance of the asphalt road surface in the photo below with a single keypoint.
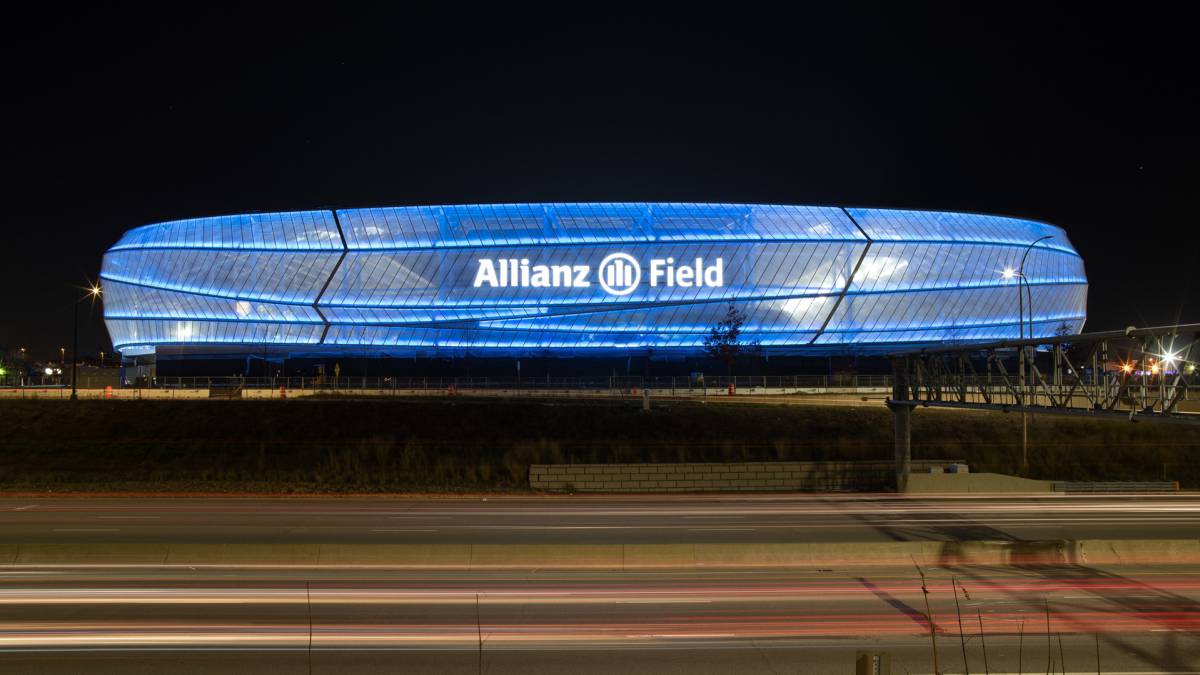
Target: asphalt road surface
[
  {"x": 594, "y": 519},
  {"x": 1123, "y": 620},
  {"x": 341, "y": 621}
]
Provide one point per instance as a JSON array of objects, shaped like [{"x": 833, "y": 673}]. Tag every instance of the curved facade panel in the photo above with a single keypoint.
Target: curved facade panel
[{"x": 607, "y": 277}]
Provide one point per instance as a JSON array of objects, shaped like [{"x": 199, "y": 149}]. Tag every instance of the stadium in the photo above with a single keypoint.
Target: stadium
[{"x": 580, "y": 279}]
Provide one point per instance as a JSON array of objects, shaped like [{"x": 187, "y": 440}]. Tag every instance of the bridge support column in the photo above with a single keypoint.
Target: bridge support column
[
  {"x": 902, "y": 429},
  {"x": 902, "y": 423}
]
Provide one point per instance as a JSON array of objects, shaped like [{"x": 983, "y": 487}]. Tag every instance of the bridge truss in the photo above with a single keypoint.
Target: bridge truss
[{"x": 1136, "y": 374}]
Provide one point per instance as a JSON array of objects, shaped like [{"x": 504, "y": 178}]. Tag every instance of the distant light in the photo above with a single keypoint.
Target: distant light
[
  {"x": 1008, "y": 273},
  {"x": 1154, "y": 369},
  {"x": 49, "y": 371},
  {"x": 1127, "y": 367},
  {"x": 95, "y": 291},
  {"x": 1170, "y": 359}
]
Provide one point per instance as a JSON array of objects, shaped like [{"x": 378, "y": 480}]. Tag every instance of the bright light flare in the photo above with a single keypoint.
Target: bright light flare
[{"x": 1008, "y": 273}]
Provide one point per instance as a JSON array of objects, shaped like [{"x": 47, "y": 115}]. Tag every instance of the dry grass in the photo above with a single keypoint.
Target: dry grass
[{"x": 437, "y": 444}]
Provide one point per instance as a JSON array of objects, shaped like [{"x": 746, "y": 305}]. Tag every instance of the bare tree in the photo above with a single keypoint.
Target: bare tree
[{"x": 724, "y": 342}]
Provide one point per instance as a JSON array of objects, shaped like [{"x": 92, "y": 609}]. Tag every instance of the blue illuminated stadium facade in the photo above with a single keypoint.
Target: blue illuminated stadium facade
[{"x": 588, "y": 278}]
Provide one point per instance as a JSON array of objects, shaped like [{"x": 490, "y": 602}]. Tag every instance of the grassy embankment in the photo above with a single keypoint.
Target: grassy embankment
[{"x": 365, "y": 446}]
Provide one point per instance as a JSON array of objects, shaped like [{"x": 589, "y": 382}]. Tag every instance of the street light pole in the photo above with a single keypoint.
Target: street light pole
[
  {"x": 93, "y": 293},
  {"x": 74, "y": 350},
  {"x": 1022, "y": 280}
]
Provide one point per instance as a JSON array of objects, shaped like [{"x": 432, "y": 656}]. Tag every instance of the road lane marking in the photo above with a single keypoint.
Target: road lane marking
[
  {"x": 127, "y": 517},
  {"x": 662, "y": 601}
]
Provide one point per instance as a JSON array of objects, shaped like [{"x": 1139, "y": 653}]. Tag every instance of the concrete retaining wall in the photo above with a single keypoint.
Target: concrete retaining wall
[{"x": 719, "y": 476}]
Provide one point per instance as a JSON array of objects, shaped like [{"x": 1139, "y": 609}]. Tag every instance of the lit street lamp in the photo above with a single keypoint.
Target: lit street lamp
[
  {"x": 1019, "y": 273},
  {"x": 93, "y": 292}
]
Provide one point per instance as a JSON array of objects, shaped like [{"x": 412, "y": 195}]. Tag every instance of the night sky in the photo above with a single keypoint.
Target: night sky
[{"x": 116, "y": 119}]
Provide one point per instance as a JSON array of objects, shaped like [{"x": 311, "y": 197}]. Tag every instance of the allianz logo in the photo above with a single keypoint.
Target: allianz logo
[{"x": 617, "y": 274}]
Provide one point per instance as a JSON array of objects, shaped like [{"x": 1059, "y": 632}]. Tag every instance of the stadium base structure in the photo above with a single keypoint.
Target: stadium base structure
[{"x": 599, "y": 279}]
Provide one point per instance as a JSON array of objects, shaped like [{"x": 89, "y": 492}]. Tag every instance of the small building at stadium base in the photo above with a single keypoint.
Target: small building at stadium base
[{"x": 583, "y": 280}]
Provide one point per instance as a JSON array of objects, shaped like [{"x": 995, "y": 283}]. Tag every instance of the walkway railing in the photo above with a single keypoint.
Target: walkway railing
[{"x": 463, "y": 384}]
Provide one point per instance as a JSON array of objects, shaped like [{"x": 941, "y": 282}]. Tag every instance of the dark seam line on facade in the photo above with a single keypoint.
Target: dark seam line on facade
[
  {"x": 337, "y": 222},
  {"x": 341, "y": 235},
  {"x": 850, "y": 281}
]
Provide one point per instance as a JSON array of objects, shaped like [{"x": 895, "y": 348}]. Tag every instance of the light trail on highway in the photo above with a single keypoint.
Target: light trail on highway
[
  {"x": 595, "y": 518},
  {"x": 1132, "y": 615},
  {"x": 67, "y": 615}
]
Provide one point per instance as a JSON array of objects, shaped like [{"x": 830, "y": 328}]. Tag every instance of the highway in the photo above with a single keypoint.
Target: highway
[
  {"x": 594, "y": 519},
  {"x": 153, "y": 618},
  {"x": 1019, "y": 620}
]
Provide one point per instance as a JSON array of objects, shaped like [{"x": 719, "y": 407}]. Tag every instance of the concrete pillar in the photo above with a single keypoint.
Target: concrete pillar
[
  {"x": 902, "y": 418},
  {"x": 902, "y": 430}
]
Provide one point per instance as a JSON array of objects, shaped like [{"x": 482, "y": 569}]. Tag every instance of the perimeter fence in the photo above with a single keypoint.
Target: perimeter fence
[{"x": 464, "y": 384}]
